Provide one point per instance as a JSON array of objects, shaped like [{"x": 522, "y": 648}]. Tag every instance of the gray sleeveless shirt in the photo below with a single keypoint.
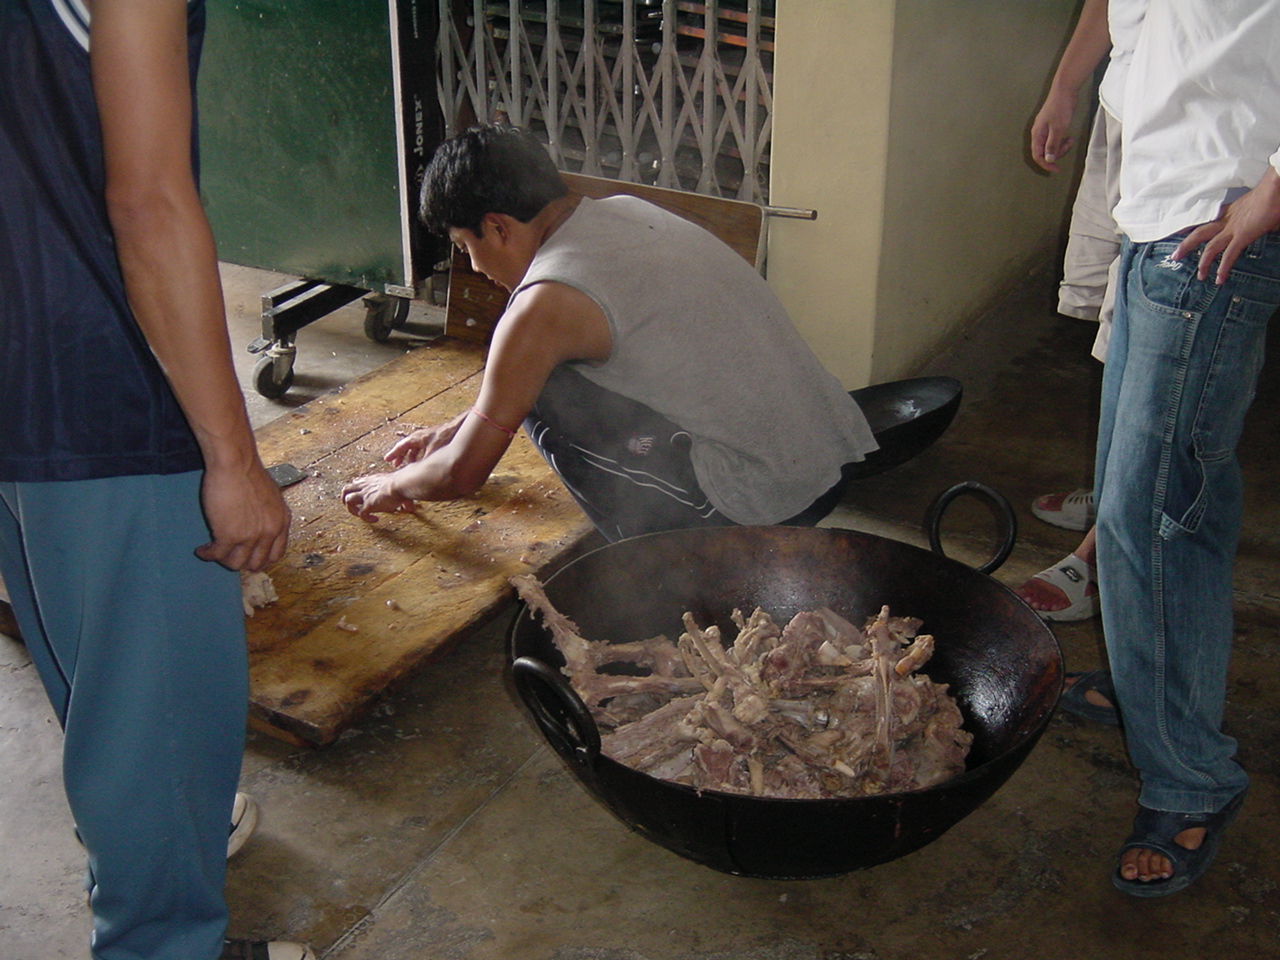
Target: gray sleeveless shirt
[{"x": 699, "y": 337}]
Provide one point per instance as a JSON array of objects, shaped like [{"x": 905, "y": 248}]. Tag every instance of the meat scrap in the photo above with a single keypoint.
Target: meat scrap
[{"x": 818, "y": 708}]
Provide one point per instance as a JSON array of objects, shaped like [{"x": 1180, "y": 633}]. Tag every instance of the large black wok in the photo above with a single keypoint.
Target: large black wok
[{"x": 1002, "y": 664}]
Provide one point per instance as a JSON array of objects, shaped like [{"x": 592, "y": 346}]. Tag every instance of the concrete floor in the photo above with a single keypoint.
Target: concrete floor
[{"x": 443, "y": 828}]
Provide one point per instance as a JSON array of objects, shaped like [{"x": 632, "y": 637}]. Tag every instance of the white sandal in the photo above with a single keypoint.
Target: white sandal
[
  {"x": 1072, "y": 576},
  {"x": 1075, "y": 512}
]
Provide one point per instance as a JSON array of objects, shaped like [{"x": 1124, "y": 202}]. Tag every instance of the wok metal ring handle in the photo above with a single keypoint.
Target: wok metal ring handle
[
  {"x": 1008, "y": 520},
  {"x": 560, "y": 713}
]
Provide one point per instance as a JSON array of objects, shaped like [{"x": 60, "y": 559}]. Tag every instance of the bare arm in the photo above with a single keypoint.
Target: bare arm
[
  {"x": 1050, "y": 131},
  {"x": 546, "y": 325},
  {"x": 139, "y": 62},
  {"x": 424, "y": 440}
]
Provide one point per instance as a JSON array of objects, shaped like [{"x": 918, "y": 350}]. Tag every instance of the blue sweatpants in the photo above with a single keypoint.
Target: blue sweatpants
[{"x": 141, "y": 649}]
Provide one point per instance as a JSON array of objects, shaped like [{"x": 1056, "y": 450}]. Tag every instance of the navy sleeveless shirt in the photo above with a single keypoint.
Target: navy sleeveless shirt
[{"x": 81, "y": 394}]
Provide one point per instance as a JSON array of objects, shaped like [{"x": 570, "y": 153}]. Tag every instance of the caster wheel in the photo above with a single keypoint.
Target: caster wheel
[
  {"x": 264, "y": 379},
  {"x": 384, "y": 314}
]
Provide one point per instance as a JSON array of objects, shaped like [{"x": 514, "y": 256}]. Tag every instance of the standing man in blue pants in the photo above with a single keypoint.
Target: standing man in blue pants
[
  {"x": 130, "y": 486},
  {"x": 1199, "y": 279}
]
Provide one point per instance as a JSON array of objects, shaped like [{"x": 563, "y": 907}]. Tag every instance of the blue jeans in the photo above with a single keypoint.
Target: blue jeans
[
  {"x": 1180, "y": 375},
  {"x": 141, "y": 649}
]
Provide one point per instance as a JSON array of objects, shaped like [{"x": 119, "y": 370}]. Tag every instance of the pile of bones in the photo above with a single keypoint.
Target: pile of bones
[{"x": 815, "y": 709}]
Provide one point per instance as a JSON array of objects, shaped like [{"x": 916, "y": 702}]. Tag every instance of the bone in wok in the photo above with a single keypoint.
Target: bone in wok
[{"x": 816, "y": 709}]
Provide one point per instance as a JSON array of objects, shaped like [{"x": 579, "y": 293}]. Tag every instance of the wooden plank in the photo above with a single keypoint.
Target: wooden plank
[
  {"x": 349, "y": 413},
  {"x": 736, "y": 222},
  {"x": 362, "y": 605},
  {"x": 476, "y": 302}
]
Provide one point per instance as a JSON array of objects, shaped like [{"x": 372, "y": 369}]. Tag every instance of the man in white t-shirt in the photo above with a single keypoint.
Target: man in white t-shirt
[
  {"x": 1068, "y": 590},
  {"x": 1198, "y": 281}
]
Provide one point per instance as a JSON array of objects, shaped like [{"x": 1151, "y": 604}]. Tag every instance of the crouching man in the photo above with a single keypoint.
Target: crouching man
[{"x": 653, "y": 368}]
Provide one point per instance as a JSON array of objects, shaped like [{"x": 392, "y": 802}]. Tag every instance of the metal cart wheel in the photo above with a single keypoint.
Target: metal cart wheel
[
  {"x": 384, "y": 314},
  {"x": 272, "y": 379}
]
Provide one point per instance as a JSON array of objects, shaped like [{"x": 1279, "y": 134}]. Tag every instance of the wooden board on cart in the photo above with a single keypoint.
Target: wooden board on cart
[{"x": 360, "y": 605}]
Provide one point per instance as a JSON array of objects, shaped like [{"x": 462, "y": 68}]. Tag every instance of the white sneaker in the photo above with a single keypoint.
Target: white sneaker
[
  {"x": 265, "y": 950},
  {"x": 244, "y": 820}
]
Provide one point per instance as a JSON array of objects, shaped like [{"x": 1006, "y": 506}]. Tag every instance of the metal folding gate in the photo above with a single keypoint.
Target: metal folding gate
[{"x": 667, "y": 92}]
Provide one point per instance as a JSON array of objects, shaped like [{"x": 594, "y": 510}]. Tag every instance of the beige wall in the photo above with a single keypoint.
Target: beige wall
[{"x": 904, "y": 124}]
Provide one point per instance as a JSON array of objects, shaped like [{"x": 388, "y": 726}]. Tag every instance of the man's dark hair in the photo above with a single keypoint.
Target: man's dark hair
[{"x": 488, "y": 169}]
